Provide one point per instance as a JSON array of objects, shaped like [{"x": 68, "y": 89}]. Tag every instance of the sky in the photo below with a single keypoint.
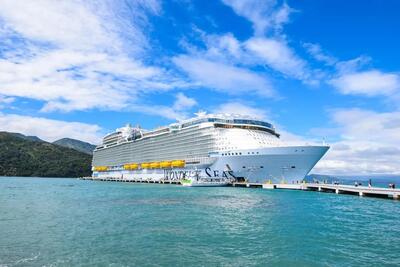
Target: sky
[{"x": 320, "y": 71}]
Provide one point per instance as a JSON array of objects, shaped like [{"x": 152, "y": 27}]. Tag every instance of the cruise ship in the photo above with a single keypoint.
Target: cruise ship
[{"x": 234, "y": 147}]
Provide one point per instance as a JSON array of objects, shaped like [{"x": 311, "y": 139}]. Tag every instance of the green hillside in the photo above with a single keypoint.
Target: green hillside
[
  {"x": 76, "y": 144},
  {"x": 24, "y": 157}
]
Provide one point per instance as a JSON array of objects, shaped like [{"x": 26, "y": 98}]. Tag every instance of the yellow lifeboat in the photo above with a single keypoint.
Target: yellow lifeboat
[
  {"x": 155, "y": 165},
  {"x": 145, "y": 165},
  {"x": 132, "y": 166},
  {"x": 178, "y": 163},
  {"x": 101, "y": 168},
  {"x": 166, "y": 164}
]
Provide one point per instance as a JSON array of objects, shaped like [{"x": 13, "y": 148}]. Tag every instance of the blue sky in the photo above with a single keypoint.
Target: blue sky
[{"x": 318, "y": 70}]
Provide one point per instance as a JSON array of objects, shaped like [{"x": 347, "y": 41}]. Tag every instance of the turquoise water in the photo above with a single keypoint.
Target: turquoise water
[{"x": 68, "y": 222}]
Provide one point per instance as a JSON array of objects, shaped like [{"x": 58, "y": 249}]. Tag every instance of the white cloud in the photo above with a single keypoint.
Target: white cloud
[
  {"x": 369, "y": 83},
  {"x": 278, "y": 56},
  {"x": 6, "y": 100},
  {"x": 43, "y": 21},
  {"x": 315, "y": 51},
  {"x": 264, "y": 15},
  {"x": 271, "y": 51},
  {"x": 354, "y": 76},
  {"x": 50, "y": 130},
  {"x": 78, "y": 24},
  {"x": 224, "y": 77},
  {"x": 67, "y": 80},
  {"x": 242, "y": 109},
  {"x": 164, "y": 111},
  {"x": 352, "y": 65},
  {"x": 368, "y": 143},
  {"x": 222, "y": 47},
  {"x": 76, "y": 55},
  {"x": 183, "y": 102}
]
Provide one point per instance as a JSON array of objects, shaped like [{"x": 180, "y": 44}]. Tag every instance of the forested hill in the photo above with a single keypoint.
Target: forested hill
[
  {"x": 76, "y": 144},
  {"x": 28, "y": 157}
]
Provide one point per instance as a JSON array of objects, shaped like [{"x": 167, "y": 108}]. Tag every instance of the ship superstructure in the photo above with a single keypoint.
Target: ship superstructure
[{"x": 208, "y": 145}]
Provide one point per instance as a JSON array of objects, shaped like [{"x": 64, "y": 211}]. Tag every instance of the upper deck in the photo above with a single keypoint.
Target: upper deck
[{"x": 128, "y": 133}]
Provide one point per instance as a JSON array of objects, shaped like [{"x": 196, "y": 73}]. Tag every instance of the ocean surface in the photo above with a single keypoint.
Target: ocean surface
[{"x": 69, "y": 222}]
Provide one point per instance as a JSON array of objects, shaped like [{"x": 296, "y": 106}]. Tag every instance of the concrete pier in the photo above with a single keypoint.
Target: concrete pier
[
  {"x": 362, "y": 191},
  {"x": 356, "y": 190}
]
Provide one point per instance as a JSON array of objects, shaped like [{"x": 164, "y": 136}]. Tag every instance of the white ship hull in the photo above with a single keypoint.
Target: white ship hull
[{"x": 276, "y": 164}]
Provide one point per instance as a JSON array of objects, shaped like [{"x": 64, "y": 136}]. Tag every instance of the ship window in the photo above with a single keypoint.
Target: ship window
[
  {"x": 293, "y": 167},
  {"x": 240, "y": 153},
  {"x": 262, "y": 167},
  {"x": 244, "y": 167}
]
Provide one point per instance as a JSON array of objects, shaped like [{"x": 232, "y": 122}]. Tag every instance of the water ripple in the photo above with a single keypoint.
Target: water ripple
[{"x": 64, "y": 222}]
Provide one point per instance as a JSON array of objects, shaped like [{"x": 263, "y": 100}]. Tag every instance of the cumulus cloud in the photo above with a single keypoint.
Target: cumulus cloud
[
  {"x": 222, "y": 47},
  {"x": 355, "y": 76},
  {"x": 368, "y": 143},
  {"x": 277, "y": 55},
  {"x": 236, "y": 107},
  {"x": 317, "y": 53},
  {"x": 50, "y": 130},
  {"x": 272, "y": 51},
  {"x": 74, "y": 55},
  {"x": 264, "y": 15},
  {"x": 225, "y": 54},
  {"x": 368, "y": 83},
  {"x": 78, "y": 24},
  {"x": 183, "y": 102},
  {"x": 224, "y": 77},
  {"x": 6, "y": 100}
]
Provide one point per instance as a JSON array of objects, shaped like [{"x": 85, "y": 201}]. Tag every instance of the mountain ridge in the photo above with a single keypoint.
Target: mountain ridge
[
  {"x": 21, "y": 156},
  {"x": 79, "y": 145}
]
